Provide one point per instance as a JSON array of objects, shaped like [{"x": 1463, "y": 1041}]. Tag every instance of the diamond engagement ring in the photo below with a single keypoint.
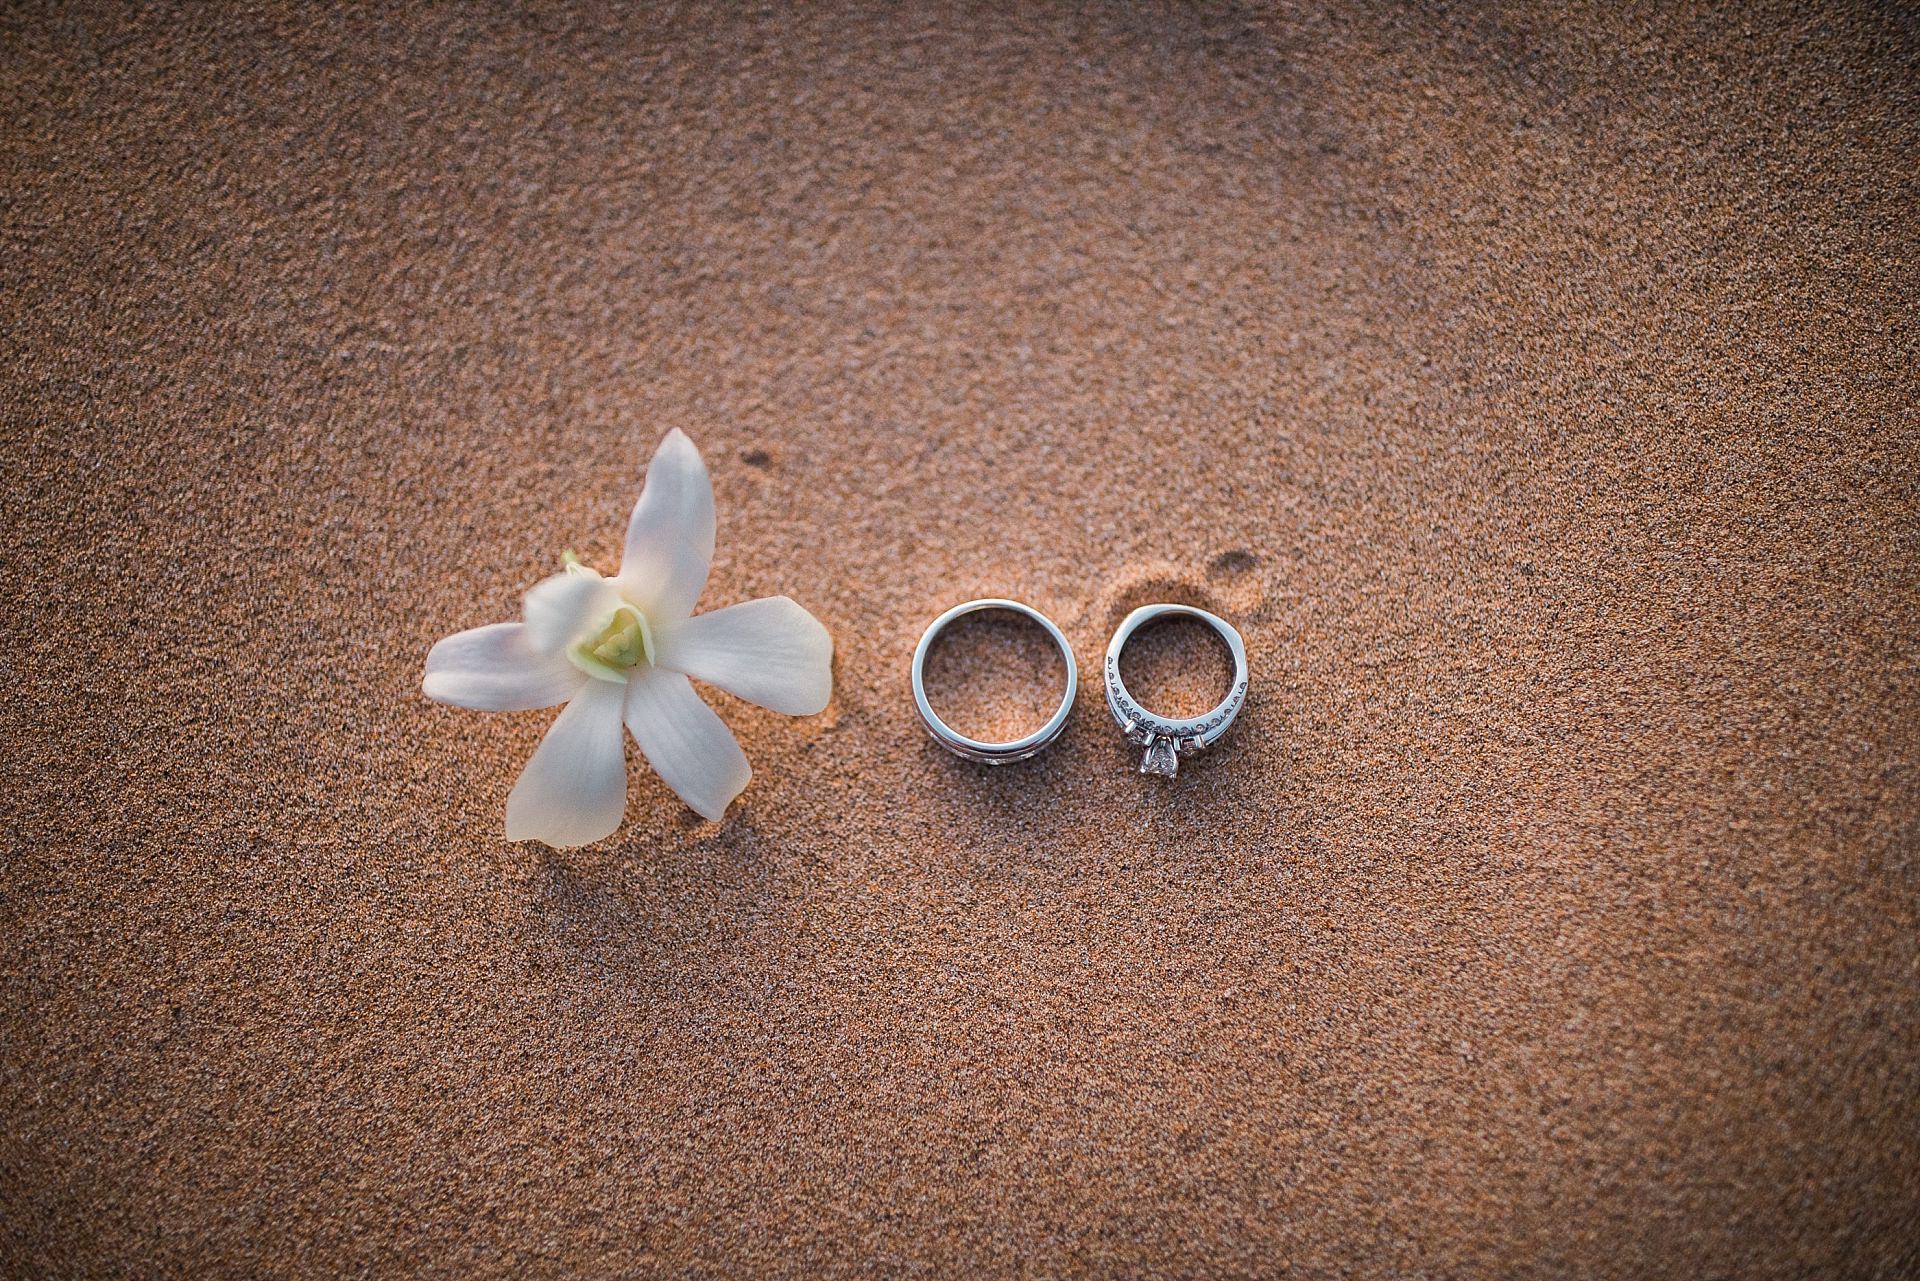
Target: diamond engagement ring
[
  {"x": 1168, "y": 738},
  {"x": 973, "y": 749}
]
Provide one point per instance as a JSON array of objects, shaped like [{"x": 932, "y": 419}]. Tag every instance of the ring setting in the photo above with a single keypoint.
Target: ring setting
[{"x": 1167, "y": 738}]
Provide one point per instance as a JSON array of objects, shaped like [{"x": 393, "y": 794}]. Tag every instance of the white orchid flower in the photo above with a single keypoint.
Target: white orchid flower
[{"x": 619, "y": 650}]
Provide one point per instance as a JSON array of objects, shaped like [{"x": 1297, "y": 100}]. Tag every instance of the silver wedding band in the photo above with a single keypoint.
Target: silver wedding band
[{"x": 974, "y": 749}]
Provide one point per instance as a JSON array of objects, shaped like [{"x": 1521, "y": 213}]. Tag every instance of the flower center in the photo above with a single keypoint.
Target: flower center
[{"x": 620, "y": 645}]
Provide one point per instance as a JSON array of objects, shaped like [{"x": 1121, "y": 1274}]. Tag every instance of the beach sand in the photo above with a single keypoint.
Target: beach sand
[{"x": 1535, "y": 390}]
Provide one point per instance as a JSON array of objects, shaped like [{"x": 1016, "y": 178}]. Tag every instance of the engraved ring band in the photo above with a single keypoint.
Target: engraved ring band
[{"x": 1168, "y": 738}]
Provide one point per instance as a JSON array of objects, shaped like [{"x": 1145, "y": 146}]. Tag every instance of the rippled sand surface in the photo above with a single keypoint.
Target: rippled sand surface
[{"x": 1534, "y": 389}]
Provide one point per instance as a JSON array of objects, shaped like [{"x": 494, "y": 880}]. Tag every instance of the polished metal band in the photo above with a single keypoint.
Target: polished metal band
[
  {"x": 972, "y": 748},
  {"x": 1167, "y": 738}
]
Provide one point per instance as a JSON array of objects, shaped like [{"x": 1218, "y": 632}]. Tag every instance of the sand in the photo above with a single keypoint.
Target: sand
[{"x": 1534, "y": 389}]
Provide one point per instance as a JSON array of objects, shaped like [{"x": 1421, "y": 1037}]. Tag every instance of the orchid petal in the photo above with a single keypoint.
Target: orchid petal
[
  {"x": 574, "y": 790},
  {"x": 495, "y": 669},
  {"x": 560, "y": 608},
  {"x": 689, "y": 746},
  {"x": 670, "y": 535},
  {"x": 768, "y": 651}
]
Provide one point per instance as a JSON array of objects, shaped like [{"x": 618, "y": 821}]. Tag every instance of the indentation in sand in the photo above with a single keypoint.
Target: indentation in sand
[{"x": 1229, "y": 587}]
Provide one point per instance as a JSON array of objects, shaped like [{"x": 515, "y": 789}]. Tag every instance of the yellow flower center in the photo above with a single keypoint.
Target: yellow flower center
[{"x": 620, "y": 645}]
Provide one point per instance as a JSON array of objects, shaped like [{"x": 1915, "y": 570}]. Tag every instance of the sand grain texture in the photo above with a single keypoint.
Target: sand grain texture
[{"x": 1535, "y": 389}]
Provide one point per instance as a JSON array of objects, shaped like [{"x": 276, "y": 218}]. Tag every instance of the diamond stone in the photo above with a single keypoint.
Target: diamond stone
[{"x": 1160, "y": 759}]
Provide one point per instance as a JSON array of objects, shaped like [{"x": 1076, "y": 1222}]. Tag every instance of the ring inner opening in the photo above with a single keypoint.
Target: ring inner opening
[
  {"x": 994, "y": 675},
  {"x": 1177, "y": 666}
]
